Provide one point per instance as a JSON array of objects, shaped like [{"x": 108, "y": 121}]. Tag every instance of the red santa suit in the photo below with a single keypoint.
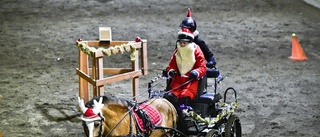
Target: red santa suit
[{"x": 184, "y": 60}]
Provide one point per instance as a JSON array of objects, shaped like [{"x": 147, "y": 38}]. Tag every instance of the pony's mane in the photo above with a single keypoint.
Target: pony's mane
[{"x": 108, "y": 100}]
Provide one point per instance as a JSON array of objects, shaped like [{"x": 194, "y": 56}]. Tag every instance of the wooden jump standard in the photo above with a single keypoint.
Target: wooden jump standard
[{"x": 95, "y": 74}]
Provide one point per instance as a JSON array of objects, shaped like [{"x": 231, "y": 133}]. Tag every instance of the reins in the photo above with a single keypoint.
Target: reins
[
  {"x": 155, "y": 79},
  {"x": 180, "y": 86}
]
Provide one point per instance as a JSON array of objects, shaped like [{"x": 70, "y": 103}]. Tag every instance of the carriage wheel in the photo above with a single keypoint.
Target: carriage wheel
[
  {"x": 213, "y": 133},
  {"x": 85, "y": 128},
  {"x": 233, "y": 127}
]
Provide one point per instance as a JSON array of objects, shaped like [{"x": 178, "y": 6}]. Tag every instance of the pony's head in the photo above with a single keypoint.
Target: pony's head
[
  {"x": 92, "y": 117},
  {"x": 112, "y": 116}
]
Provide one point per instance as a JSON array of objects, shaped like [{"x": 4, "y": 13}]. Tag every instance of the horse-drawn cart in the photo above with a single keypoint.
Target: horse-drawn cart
[{"x": 207, "y": 115}]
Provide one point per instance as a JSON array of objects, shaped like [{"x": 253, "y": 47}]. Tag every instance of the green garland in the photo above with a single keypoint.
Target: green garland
[{"x": 129, "y": 47}]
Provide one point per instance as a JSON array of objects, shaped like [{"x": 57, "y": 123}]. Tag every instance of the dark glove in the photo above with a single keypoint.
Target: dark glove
[
  {"x": 211, "y": 62},
  {"x": 164, "y": 73},
  {"x": 193, "y": 75},
  {"x": 171, "y": 73}
]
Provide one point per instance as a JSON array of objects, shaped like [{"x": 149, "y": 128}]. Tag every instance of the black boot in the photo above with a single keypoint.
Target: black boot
[
  {"x": 185, "y": 100},
  {"x": 171, "y": 98},
  {"x": 181, "y": 125}
]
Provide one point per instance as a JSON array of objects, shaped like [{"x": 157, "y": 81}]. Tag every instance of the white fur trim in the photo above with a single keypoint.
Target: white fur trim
[
  {"x": 196, "y": 33},
  {"x": 90, "y": 119},
  {"x": 186, "y": 33}
]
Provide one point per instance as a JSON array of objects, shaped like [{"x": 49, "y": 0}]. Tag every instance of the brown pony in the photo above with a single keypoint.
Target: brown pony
[{"x": 110, "y": 116}]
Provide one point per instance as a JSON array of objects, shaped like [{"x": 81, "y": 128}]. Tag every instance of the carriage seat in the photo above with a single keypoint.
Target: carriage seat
[
  {"x": 212, "y": 73},
  {"x": 209, "y": 98},
  {"x": 202, "y": 95},
  {"x": 204, "y": 103}
]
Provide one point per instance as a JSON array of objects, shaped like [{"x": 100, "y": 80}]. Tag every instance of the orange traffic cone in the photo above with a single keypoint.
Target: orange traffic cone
[{"x": 297, "y": 52}]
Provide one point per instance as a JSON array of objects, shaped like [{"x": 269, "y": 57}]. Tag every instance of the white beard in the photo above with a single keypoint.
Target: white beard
[{"x": 185, "y": 58}]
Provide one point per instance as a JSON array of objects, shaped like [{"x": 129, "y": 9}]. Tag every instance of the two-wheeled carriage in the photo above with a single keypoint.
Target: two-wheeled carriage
[{"x": 207, "y": 115}]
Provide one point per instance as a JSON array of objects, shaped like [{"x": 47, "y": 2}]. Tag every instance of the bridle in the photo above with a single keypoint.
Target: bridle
[{"x": 101, "y": 121}]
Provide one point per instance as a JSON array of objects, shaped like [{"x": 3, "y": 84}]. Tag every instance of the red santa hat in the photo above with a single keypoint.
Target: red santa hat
[
  {"x": 185, "y": 34},
  {"x": 189, "y": 13},
  {"x": 89, "y": 115}
]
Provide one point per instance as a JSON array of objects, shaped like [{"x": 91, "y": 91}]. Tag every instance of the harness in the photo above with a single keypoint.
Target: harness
[
  {"x": 100, "y": 128},
  {"x": 148, "y": 125},
  {"x": 146, "y": 120}
]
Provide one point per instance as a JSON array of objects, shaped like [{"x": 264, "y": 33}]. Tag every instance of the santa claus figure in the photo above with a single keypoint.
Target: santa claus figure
[{"x": 186, "y": 66}]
